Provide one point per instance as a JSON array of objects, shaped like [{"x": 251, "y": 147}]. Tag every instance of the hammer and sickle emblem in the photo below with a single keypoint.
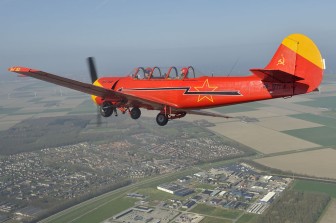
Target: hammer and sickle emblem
[{"x": 281, "y": 61}]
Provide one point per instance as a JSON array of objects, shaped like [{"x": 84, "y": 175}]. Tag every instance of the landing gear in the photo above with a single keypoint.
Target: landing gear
[
  {"x": 106, "y": 109},
  {"x": 161, "y": 119},
  {"x": 135, "y": 113}
]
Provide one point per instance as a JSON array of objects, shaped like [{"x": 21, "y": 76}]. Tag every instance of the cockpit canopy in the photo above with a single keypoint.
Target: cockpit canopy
[{"x": 142, "y": 73}]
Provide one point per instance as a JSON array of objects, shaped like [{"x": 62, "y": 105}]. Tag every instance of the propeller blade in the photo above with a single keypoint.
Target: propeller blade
[{"x": 92, "y": 68}]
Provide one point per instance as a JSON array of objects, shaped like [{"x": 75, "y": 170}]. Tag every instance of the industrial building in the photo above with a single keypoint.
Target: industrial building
[
  {"x": 175, "y": 189},
  {"x": 268, "y": 197},
  {"x": 188, "y": 204}
]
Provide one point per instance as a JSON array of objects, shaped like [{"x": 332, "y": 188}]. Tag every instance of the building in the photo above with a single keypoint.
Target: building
[
  {"x": 136, "y": 195},
  {"x": 215, "y": 201},
  {"x": 169, "y": 188},
  {"x": 188, "y": 204},
  {"x": 184, "y": 192},
  {"x": 137, "y": 208},
  {"x": 184, "y": 179},
  {"x": 207, "y": 192},
  {"x": 222, "y": 193},
  {"x": 268, "y": 197},
  {"x": 214, "y": 193},
  {"x": 175, "y": 189}
]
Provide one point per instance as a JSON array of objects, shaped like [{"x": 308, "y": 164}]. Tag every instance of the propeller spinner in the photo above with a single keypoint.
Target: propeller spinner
[{"x": 106, "y": 109}]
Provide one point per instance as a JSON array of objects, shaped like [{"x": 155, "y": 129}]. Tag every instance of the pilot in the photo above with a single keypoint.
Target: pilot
[
  {"x": 184, "y": 72},
  {"x": 148, "y": 70}
]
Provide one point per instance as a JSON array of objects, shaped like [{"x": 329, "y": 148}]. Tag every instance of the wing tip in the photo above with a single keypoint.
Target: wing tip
[{"x": 20, "y": 69}]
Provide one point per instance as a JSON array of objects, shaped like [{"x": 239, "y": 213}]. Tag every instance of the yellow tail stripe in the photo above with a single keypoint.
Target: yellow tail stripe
[{"x": 305, "y": 47}]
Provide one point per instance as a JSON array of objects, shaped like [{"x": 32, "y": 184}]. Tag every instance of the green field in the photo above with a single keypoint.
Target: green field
[
  {"x": 35, "y": 99},
  {"x": 156, "y": 195},
  {"x": 78, "y": 96},
  {"x": 325, "y": 136},
  {"x": 322, "y": 102},
  {"x": 106, "y": 210},
  {"x": 34, "y": 86},
  {"x": 327, "y": 121},
  {"x": 213, "y": 211},
  {"x": 6, "y": 111},
  {"x": 215, "y": 220},
  {"x": 84, "y": 211},
  {"x": 247, "y": 218},
  {"x": 331, "y": 113},
  {"x": 315, "y": 186},
  {"x": 86, "y": 106},
  {"x": 239, "y": 108},
  {"x": 57, "y": 110}
]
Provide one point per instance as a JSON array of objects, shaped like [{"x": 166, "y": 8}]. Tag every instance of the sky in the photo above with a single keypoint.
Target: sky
[{"x": 226, "y": 37}]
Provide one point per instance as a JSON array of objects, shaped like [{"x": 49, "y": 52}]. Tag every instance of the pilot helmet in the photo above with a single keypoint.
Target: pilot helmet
[
  {"x": 184, "y": 71},
  {"x": 148, "y": 70}
]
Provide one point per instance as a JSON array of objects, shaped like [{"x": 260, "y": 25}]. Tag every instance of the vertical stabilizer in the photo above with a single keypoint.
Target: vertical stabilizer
[{"x": 299, "y": 57}]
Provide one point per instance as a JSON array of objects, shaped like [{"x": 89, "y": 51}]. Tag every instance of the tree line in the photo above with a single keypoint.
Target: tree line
[{"x": 296, "y": 206}]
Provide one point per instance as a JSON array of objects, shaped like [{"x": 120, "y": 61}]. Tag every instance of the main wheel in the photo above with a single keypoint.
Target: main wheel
[
  {"x": 135, "y": 113},
  {"x": 106, "y": 109},
  {"x": 161, "y": 119}
]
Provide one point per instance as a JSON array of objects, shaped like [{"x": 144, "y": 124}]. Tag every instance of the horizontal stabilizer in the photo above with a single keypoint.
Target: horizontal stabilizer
[{"x": 275, "y": 75}]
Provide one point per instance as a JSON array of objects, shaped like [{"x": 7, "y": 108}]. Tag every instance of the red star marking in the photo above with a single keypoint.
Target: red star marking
[{"x": 205, "y": 88}]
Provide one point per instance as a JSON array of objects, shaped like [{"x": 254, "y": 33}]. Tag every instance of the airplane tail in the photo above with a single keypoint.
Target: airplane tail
[{"x": 297, "y": 61}]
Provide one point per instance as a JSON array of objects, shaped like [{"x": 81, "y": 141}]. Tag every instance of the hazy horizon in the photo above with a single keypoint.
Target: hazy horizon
[{"x": 212, "y": 36}]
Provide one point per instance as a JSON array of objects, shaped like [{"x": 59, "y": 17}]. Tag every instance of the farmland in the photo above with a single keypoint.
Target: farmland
[
  {"x": 330, "y": 214},
  {"x": 295, "y": 135},
  {"x": 315, "y": 186},
  {"x": 305, "y": 163}
]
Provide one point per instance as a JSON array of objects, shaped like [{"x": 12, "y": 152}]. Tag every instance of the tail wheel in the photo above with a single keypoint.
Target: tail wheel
[
  {"x": 161, "y": 119},
  {"x": 106, "y": 109},
  {"x": 135, "y": 113}
]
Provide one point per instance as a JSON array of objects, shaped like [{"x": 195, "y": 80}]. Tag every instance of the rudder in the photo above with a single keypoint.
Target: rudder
[{"x": 299, "y": 56}]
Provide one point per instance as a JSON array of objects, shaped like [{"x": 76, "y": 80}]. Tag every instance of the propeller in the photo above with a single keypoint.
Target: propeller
[
  {"x": 94, "y": 77},
  {"x": 92, "y": 68}
]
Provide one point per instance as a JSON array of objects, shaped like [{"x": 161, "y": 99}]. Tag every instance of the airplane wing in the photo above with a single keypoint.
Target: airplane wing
[
  {"x": 64, "y": 82},
  {"x": 131, "y": 100}
]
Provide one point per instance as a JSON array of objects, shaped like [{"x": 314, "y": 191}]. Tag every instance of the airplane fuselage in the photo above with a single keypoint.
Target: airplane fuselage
[
  {"x": 202, "y": 92},
  {"x": 296, "y": 68}
]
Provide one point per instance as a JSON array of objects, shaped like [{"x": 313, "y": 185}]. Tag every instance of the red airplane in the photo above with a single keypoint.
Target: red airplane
[{"x": 296, "y": 68}]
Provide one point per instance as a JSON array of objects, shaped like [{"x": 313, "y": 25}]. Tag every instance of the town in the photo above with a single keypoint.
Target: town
[
  {"x": 238, "y": 186},
  {"x": 33, "y": 182}
]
